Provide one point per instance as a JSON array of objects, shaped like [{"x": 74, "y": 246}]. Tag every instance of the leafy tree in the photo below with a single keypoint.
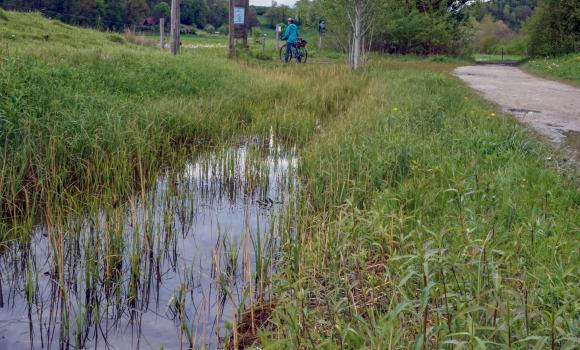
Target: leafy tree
[
  {"x": 278, "y": 14},
  {"x": 252, "y": 19},
  {"x": 217, "y": 14},
  {"x": 194, "y": 12},
  {"x": 161, "y": 10},
  {"x": 135, "y": 12},
  {"x": 513, "y": 12},
  {"x": 554, "y": 27},
  {"x": 113, "y": 18}
]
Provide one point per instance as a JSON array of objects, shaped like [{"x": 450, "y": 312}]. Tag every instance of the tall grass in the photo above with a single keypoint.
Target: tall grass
[
  {"x": 566, "y": 67},
  {"x": 430, "y": 222},
  {"x": 425, "y": 220},
  {"x": 83, "y": 112}
]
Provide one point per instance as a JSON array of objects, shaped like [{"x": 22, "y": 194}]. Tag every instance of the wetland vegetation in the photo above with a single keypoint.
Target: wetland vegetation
[{"x": 191, "y": 201}]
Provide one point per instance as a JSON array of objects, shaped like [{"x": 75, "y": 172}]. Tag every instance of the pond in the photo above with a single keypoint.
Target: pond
[{"x": 167, "y": 267}]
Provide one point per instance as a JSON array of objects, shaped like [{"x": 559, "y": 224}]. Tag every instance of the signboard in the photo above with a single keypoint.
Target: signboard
[
  {"x": 239, "y": 15},
  {"x": 237, "y": 23},
  {"x": 278, "y": 28}
]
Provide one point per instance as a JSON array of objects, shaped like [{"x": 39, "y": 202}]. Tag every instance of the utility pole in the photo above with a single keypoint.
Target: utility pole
[
  {"x": 175, "y": 22},
  {"x": 162, "y": 33}
]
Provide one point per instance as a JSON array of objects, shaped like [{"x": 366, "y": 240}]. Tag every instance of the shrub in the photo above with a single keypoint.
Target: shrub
[
  {"x": 224, "y": 29},
  {"x": 3, "y": 15},
  {"x": 209, "y": 28},
  {"x": 133, "y": 38},
  {"x": 116, "y": 38}
]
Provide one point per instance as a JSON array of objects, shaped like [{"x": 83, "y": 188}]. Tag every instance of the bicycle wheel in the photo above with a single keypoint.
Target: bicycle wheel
[
  {"x": 283, "y": 54},
  {"x": 303, "y": 54}
]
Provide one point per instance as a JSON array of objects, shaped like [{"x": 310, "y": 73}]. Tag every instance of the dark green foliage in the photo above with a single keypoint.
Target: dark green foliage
[
  {"x": 554, "y": 28},
  {"x": 162, "y": 9},
  {"x": 194, "y": 12},
  {"x": 513, "y": 12},
  {"x": 424, "y": 29},
  {"x": 117, "y": 14}
]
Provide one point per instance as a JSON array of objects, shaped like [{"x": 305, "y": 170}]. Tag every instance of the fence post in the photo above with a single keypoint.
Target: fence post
[
  {"x": 162, "y": 33},
  {"x": 232, "y": 42},
  {"x": 175, "y": 22},
  {"x": 278, "y": 30}
]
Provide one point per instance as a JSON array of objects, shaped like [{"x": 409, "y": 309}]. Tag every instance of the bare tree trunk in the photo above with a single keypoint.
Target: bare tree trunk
[
  {"x": 360, "y": 19},
  {"x": 357, "y": 35},
  {"x": 175, "y": 23}
]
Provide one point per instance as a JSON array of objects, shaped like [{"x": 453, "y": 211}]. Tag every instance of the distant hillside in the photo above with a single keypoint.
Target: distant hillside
[{"x": 30, "y": 28}]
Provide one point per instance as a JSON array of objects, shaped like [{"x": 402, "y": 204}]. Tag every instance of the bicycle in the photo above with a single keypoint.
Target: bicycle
[{"x": 300, "y": 46}]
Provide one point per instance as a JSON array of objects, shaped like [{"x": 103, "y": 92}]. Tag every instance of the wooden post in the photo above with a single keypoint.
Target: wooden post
[
  {"x": 175, "y": 22},
  {"x": 162, "y": 33},
  {"x": 278, "y": 29},
  {"x": 232, "y": 44},
  {"x": 246, "y": 11}
]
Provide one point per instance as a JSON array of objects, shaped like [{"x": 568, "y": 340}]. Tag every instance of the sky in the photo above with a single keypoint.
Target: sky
[{"x": 269, "y": 2}]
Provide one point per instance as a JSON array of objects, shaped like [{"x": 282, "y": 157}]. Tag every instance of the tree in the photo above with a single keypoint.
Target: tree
[
  {"x": 113, "y": 14},
  {"x": 278, "y": 14},
  {"x": 360, "y": 15},
  {"x": 217, "y": 14},
  {"x": 194, "y": 12},
  {"x": 554, "y": 28},
  {"x": 135, "y": 12},
  {"x": 253, "y": 18},
  {"x": 303, "y": 11},
  {"x": 162, "y": 10}
]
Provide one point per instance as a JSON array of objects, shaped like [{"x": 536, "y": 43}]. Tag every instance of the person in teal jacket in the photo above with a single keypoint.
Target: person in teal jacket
[{"x": 291, "y": 36}]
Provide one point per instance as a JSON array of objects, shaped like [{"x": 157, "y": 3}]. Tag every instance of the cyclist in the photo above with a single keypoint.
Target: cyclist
[{"x": 291, "y": 37}]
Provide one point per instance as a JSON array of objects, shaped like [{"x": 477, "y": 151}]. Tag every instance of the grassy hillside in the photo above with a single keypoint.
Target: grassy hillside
[
  {"x": 428, "y": 219},
  {"x": 564, "y": 67},
  {"x": 82, "y": 101}
]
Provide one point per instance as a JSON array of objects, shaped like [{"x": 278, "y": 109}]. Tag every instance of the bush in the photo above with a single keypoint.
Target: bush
[
  {"x": 209, "y": 28},
  {"x": 257, "y": 34},
  {"x": 224, "y": 29},
  {"x": 116, "y": 38},
  {"x": 133, "y": 38},
  {"x": 3, "y": 15}
]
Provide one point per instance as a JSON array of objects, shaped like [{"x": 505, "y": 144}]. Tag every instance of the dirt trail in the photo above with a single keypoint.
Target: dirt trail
[{"x": 551, "y": 108}]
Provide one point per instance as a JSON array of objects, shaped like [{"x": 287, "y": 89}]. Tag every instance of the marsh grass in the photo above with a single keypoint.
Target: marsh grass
[
  {"x": 91, "y": 113},
  {"x": 429, "y": 221},
  {"x": 425, "y": 218},
  {"x": 93, "y": 271}
]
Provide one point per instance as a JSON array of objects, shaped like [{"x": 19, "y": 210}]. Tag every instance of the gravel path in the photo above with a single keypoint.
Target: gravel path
[{"x": 551, "y": 108}]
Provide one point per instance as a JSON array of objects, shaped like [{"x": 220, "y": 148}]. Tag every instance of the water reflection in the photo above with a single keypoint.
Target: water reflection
[{"x": 166, "y": 268}]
